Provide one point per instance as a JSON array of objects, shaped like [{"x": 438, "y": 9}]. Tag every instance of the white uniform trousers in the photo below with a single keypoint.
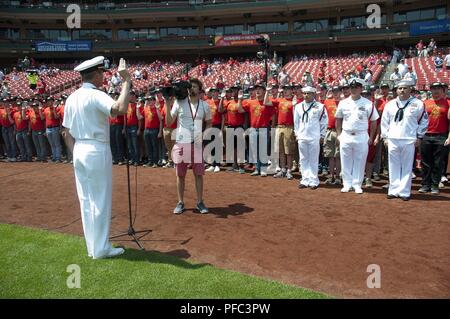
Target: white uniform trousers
[
  {"x": 353, "y": 151},
  {"x": 309, "y": 161},
  {"x": 401, "y": 157},
  {"x": 92, "y": 162}
]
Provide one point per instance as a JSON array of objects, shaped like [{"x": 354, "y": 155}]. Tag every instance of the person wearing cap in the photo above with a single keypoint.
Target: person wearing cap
[
  {"x": 235, "y": 120},
  {"x": 37, "y": 126},
  {"x": 346, "y": 92},
  {"x": 330, "y": 143},
  {"x": 133, "y": 129},
  {"x": 352, "y": 122},
  {"x": 152, "y": 128},
  {"x": 86, "y": 132},
  {"x": 436, "y": 140},
  {"x": 52, "y": 124},
  {"x": 410, "y": 75},
  {"x": 216, "y": 122},
  {"x": 310, "y": 125},
  {"x": 403, "y": 124},
  {"x": 22, "y": 132},
  {"x": 169, "y": 143},
  {"x": 7, "y": 123},
  {"x": 65, "y": 151},
  {"x": 190, "y": 114},
  {"x": 260, "y": 118},
  {"x": 395, "y": 77},
  {"x": 284, "y": 133}
]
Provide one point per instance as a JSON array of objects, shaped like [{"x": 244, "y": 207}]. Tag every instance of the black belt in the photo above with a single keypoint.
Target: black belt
[
  {"x": 52, "y": 126},
  {"x": 436, "y": 134}
]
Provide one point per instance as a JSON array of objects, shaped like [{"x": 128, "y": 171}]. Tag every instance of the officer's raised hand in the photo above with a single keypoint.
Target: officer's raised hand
[{"x": 122, "y": 70}]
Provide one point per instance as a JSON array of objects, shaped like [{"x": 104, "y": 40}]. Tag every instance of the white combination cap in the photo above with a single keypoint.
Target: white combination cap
[
  {"x": 308, "y": 89},
  {"x": 404, "y": 83},
  {"x": 93, "y": 63}
]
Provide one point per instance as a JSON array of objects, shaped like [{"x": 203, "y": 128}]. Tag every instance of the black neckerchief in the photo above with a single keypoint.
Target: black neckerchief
[
  {"x": 399, "y": 115},
  {"x": 305, "y": 116}
]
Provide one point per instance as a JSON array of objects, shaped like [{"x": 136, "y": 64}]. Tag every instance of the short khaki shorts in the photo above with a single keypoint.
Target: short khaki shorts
[
  {"x": 285, "y": 136},
  {"x": 330, "y": 144}
]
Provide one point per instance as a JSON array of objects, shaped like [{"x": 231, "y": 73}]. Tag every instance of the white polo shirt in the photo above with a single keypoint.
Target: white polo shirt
[
  {"x": 190, "y": 119},
  {"x": 414, "y": 123},
  {"x": 356, "y": 114},
  {"x": 86, "y": 114}
]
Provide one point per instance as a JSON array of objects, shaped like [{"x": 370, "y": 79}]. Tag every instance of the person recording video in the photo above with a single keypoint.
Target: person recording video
[{"x": 184, "y": 105}]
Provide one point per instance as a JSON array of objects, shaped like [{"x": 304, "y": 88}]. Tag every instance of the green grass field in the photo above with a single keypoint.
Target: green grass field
[{"x": 33, "y": 264}]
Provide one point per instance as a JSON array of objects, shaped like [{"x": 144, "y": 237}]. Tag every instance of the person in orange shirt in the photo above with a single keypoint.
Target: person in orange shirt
[
  {"x": 52, "y": 123},
  {"x": 330, "y": 143},
  {"x": 216, "y": 122},
  {"x": 167, "y": 130},
  {"x": 436, "y": 140},
  {"x": 152, "y": 128},
  {"x": 117, "y": 132},
  {"x": 37, "y": 126},
  {"x": 133, "y": 129},
  {"x": 284, "y": 135},
  {"x": 260, "y": 118},
  {"x": 7, "y": 123},
  {"x": 22, "y": 132}
]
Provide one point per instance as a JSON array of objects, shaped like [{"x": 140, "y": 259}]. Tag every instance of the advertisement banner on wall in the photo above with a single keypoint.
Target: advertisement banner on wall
[
  {"x": 238, "y": 40},
  {"x": 63, "y": 46}
]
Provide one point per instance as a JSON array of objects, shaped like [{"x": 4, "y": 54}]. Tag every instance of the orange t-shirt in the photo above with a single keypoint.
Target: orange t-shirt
[
  {"x": 150, "y": 115},
  {"x": 50, "y": 120},
  {"x": 437, "y": 115},
  {"x": 260, "y": 114},
  {"x": 285, "y": 111},
  {"x": 331, "y": 107},
  {"x": 132, "y": 119},
  {"x": 234, "y": 118},
  {"x": 216, "y": 116},
  {"x": 35, "y": 119},
  {"x": 21, "y": 123},
  {"x": 4, "y": 121}
]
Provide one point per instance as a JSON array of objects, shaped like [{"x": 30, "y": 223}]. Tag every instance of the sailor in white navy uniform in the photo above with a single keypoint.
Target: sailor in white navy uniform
[
  {"x": 310, "y": 126},
  {"x": 86, "y": 132},
  {"x": 403, "y": 125},
  {"x": 352, "y": 122}
]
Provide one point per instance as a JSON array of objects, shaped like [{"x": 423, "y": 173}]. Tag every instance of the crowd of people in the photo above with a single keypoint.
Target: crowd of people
[{"x": 340, "y": 130}]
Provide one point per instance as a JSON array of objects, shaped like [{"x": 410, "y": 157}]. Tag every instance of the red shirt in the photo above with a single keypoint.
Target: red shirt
[
  {"x": 215, "y": 114},
  {"x": 36, "y": 123},
  {"x": 41, "y": 86},
  {"x": 234, "y": 118},
  {"x": 50, "y": 120},
  {"x": 260, "y": 114},
  {"x": 118, "y": 120},
  {"x": 163, "y": 113},
  {"x": 151, "y": 119},
  {"x": 331, "y": 107},
  {"x": 285, "y": 111},
  {"x": 20, "y": 122},
  {"x": 60, "y": 111},
  {"x": 4, "y": 121},
  {"x": 132, "y": 119},
  {"x": 437, "y": 115}
]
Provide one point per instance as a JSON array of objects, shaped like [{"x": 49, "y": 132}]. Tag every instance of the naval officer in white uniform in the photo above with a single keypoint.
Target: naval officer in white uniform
[
  {"x": 403, "y": 125},
  {"x": 310, "y": 125},
  {"x": 352, "y": 123},
  {"x": 86, "y": 132}
]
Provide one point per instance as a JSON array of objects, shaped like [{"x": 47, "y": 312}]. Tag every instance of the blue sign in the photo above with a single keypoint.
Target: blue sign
[
  {"x": 435, "y": 26},
  {"x": 63, "y": 46}
]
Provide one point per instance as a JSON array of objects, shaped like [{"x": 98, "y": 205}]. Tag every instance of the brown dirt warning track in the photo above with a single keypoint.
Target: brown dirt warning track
[{"x": 318, "y": 239}]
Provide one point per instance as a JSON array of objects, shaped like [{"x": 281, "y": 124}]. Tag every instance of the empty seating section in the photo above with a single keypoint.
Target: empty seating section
[
  {"x": 426, "y": 71},
  {"x": 334, "y": 67}
]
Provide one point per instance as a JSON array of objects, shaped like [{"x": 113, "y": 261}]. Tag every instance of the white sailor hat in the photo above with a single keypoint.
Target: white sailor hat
[
  {"x": 357, "y": 81},
  {"x": 90, "y": 65},
  {"x": 308, "y": 89},
  {"x": 404, "y": 83}
]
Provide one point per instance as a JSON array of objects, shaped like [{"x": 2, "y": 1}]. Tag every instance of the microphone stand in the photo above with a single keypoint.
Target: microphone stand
[{"x": 131, "y": 232}]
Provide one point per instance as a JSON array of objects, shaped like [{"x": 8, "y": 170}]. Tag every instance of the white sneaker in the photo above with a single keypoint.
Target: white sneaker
[
  {"x": 444, "y": 179},
  {"x": 413, "y": 175},
  {"x": 216, "y": 169},
  {"x": 263, "y": 174},
  {"x": 358, "y": 190},
  {"x": 113, "y": 252},
  {"x": 210, "y": 169},
  {"x": 345, "y": 189}
]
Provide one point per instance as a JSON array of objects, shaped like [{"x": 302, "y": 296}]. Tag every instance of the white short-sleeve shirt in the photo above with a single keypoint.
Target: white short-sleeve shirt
[
  {"x": 86, "y": 114},
  {"x": 356, "y": 114},
  {"x": 185, "y": 112}
]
